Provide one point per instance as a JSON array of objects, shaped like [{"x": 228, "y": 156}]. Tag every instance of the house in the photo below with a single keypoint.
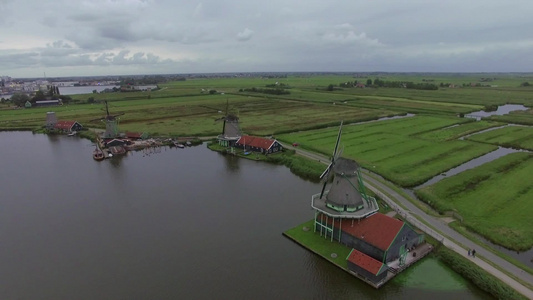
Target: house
[
  {"x": 379, "y": 236},
  {"x": 114, "y": 142},
  {"x": 27, "y": 104},
  {"x": 68, "y": 126},
  {"x": 258, "y": 144},
  {"x": 360, "y": 85}
]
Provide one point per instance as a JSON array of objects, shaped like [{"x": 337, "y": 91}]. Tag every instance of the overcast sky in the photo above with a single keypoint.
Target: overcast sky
[{"x": 118, "y": 37}]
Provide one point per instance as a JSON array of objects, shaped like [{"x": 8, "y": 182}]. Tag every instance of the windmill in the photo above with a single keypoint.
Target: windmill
[
  {"x": 347, "y": 194},
  {"x": 231, "y": 131},
  {"x": 111, "y": 123}
]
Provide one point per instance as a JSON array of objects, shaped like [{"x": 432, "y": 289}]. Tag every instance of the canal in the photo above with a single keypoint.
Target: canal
[{"x": 177, "y": 224}]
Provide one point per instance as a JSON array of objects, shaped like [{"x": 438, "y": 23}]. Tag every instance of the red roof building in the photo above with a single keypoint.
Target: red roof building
[
  {"x": 378, "y": 236},
  {"x": 366, "y": 266},
  {"x": 258, "y": 144},
  {"x": 68, "y": 126}
]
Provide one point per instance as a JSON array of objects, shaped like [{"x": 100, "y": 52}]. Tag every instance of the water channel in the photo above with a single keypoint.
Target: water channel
[{"x": 179, "y": 224}]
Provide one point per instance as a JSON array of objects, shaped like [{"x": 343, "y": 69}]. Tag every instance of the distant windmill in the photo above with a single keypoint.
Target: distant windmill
[
  {"x": 111, "y": 123},
  {"x": 231, "y": 131},
  {"x": 347, "y": 192}
]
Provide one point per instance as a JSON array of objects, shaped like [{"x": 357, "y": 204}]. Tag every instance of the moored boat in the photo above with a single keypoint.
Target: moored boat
[{"x": 98, "y": 154}]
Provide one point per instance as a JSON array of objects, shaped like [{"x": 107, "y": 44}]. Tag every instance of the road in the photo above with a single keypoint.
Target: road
[{"x": 450, "y": 238}]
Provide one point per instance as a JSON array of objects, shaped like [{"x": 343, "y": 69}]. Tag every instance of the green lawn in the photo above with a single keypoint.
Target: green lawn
[{"x": 511, "y": 136}]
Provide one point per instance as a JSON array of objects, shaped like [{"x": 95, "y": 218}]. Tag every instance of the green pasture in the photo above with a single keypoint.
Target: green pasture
[
  {"x": 392, "y": 149},
  {"x": 493, "y": 199},
  {"x": 524, "y": 117},
  {"x": 456, "y": 131},
  {"x": 518, "y": 137}
]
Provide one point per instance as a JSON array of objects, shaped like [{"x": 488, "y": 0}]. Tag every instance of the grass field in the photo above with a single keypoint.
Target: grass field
[
  {"x": 511, "y": 136},
  {"x": 456, "y": 131},
  {"x": 493, "y": 199},
  {"x": 392, "y": 149}
]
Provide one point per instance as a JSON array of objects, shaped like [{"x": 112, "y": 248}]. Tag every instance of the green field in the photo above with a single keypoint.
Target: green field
[
  {"x": 407, "y": 151},
  {"x": 456, "y": 131},
  {"x": 493, "y": 199},
  {"x": 391, "y": 148},
  {"x": 511, "y": 136}
]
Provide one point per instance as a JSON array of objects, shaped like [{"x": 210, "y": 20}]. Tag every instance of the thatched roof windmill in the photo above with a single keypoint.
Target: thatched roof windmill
[
  {"x": 346, "y": 197},
  {"x": 231, "y": 132},
  {"x": 111, "y": 123}
]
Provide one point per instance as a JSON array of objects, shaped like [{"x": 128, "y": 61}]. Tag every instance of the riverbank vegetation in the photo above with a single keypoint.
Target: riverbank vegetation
[{"x": 476, "y": 275}]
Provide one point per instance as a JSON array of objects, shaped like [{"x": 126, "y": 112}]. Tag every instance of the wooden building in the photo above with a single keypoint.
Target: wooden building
[
  {"x": 258, "y": 144},
  {"x": 365, "y": 266},
  {"x": 68, "y": 126},
  {"x": 136, "y": 135},
  {"x": 378, "y": 236}
]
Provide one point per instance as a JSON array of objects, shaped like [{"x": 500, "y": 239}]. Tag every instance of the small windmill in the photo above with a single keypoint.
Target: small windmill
[
  {"x": 111, "y": 123},
  {"x": 347, "y": 192},
  {"x": 231, "y": 131}
]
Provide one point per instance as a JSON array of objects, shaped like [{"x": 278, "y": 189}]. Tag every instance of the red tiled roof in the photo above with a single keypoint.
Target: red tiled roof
[
  {"x": 136, "y": 135},
  {"x": 366, "y": 262},
  {"x": 257, "y": 142},
  {"x": 378, "y": 230},
  {"x": 64, "y": 124}
]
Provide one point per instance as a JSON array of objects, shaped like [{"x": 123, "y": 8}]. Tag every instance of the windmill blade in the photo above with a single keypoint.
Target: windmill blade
[
  {"x": 337, "y": 144},
  {"x": 323, "y": 189},
  {"x": 339, "y": 153},
  {"x": 326, "y": 171}
]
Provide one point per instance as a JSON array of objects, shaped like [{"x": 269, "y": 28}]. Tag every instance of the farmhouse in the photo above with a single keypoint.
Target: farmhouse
[
  {"x": 258, "y": 144},
  {"x": 68, "y": 126}
]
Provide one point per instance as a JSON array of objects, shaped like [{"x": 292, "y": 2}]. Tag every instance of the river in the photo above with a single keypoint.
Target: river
[{"x": 178, "y": 224}]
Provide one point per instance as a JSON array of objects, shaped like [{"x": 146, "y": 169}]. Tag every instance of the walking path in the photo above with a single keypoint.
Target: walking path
[{"x": 442, "y": 232}]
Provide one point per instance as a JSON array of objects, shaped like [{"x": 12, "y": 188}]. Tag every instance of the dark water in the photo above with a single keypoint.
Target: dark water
[{"x": 179, "y": 224}]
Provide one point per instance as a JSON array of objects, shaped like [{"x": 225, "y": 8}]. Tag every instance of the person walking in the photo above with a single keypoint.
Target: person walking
[
  {"x": 469, "y": 252},
  {"x": 474, "y": 253}
]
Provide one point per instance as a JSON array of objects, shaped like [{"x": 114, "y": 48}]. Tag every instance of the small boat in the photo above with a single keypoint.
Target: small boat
[
  {"x": 72, "y": 133},
  {"x": 180, "y": 146},
  {"x": 98, "y": 154},
  {"x": 188, "y": 144}
]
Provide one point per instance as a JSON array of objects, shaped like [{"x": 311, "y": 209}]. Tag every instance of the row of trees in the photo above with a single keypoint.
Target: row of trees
[{"x": 266, "y": 91}]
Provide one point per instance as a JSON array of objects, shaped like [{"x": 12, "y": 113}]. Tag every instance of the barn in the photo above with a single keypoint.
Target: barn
[{"x": 258, "y": 144}]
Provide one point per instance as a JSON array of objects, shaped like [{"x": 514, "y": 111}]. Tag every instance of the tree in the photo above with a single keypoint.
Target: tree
[
  {"x": 525, "y": 84},
  {"x": 369, "y": 82},
  {"x": 330, "y": 87},
  {"x": 39, "y": 96},
  {"x": 19, "y": 99}
]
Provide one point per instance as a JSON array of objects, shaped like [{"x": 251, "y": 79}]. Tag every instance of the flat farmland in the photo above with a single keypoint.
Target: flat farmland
[
  {"x": 414, "y": 106},
  {"x": 457, "y": 131},
  {"x": 518, "y": 137},
  {"x": 493, "y": 199},
  {"x": 392, "y": 149}
]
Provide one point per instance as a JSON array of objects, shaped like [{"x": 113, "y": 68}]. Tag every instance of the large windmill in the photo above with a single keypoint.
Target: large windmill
[
  {"x": 346, "y": 197},
  {"x": 111, "y": 123},
  {"x": 231, "y": 131}
]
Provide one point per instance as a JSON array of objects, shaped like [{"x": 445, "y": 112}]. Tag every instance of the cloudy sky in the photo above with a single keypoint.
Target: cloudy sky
[{"x": 118, "y": 37}]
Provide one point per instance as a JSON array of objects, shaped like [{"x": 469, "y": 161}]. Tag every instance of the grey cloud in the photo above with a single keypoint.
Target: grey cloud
[{"x": 245, "y": 35}]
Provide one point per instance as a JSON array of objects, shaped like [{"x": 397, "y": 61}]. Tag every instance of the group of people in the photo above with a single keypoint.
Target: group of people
[{"x": 472, "y": 252}]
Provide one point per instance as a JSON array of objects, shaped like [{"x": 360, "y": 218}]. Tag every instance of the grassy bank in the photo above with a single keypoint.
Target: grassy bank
[
  {"x": 301, "y": 166},
  {"x": 476, "y": 275}
]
